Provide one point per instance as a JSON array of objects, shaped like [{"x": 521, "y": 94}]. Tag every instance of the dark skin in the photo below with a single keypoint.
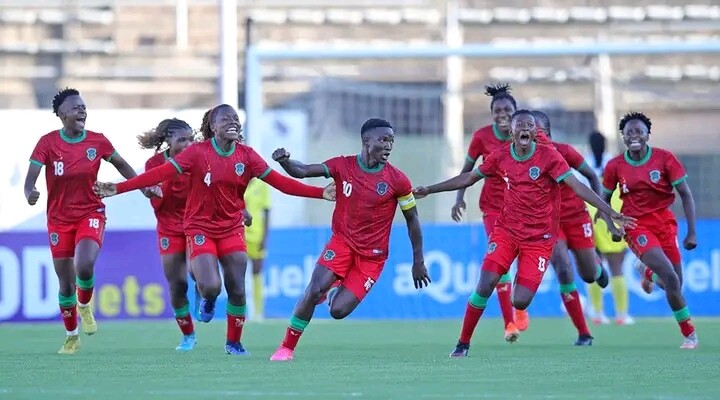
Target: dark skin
[
  {"x": 635, "y": 136},
  {"x": 523, "y": 135},
  {"x": 502, "y": 110},
  {"x": 377, "y": 145},
  {"x": 73, "y": 113}
]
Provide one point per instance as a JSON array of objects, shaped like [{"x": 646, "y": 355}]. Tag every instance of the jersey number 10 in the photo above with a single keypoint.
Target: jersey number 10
[
  {"x": 347, "y": 188},
  {"x": 59, "y": 168}
]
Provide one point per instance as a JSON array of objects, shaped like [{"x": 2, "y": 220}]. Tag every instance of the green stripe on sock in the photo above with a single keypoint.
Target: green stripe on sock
[
  {"x": 477, "y": 301},
  {"x": 682, "y": 314},
  {"x": 505, "y": 278},
  {"x": 235, "y": 311},
  {"x": 183, "y": 311},
  {"x": 567, "y": 287},
  {"x": 654, "y": 277},
  {"x": 598, "y": 272},
  {"x": 88, "y": 284},
  {"x": 67, "y": 301},
  {"x": 298, "y": 324}
]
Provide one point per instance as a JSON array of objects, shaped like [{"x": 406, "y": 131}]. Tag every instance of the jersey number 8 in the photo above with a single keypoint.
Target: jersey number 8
[{"x": 347, "y": 188}]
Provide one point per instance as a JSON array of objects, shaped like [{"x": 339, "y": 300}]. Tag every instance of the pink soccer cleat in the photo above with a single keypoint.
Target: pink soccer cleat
[
  {"x": 282, "y": 354},
  {"x": 690, "y": 342}
]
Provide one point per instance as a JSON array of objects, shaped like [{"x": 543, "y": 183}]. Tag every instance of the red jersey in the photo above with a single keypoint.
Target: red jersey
[
  {"x": 366, "y": 202},
  {"x": 572, "y": 206},
  {"x": 71, "y": 169},
  {"x": 170, "y": 208},
  {"x": 218, "y": 181},
  {"x": 646, "y": 186},
  {"x": 530, "y": 209}
]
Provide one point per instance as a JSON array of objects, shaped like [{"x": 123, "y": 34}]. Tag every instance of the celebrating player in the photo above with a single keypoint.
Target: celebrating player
[
  {"x": 257, "y": 201},
  {"x": 575, "y": 234},
  {"x": 175, "y": 135},
  {"x": 76, "y": 215},
  {"x": 527, "y": 227},
  {"x": 370, "y": 191},
  {"x": 646, "y": 177},
  {"x": 220, "y": 168}
]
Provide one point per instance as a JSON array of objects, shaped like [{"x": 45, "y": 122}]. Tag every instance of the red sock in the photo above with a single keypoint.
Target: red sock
[
  {"x": 84, "y": 295},
  {"x": 648, "y": 274},
  {"x": 186, "y": 324},
  {"x": 686, "y": 327},
  {"x": 574, "y": 310},
  {"x": 504, "y": 294},
  {"x": 69, "y": 317},
  {"x": 292, "y": 336},
  {"x": 470, "y": 321},
  {"x": 234, "y": 328}
]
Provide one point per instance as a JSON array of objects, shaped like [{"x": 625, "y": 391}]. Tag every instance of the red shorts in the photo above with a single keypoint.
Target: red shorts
[
  {"x": 64, "y": 237},
  {"x": 533, "y": 258},
  {"x": 171, "y": 244},
  {"x": 655, "y": 230},
  {"x": 359, "y": 272},
  {"x": 201, "y": 244},
  {"x": 489, "y": 221},
  {"x": 577, "y": 233}
]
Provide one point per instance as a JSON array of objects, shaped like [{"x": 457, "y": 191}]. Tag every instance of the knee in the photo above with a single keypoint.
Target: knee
[
  {"x": 209, "y": 290},
  {"x": 339, "y": 311},
  {"x": 521, "y": 303}
]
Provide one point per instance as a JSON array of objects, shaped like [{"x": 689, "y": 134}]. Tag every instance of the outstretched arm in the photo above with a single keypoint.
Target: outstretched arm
[
  {"x": 295, "y": 188},
  {"x": 419, "y": 271},
  {"x": 296, "y": 169},
  {"x": 147, "y": 178},
  {"x": 591, "y": 197},
  {"x": 461, "y": 181},
  {"x": 688, "y": 204}
]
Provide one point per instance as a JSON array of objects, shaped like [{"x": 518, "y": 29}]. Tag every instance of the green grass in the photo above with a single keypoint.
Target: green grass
[{"x": 363, "y": 360}]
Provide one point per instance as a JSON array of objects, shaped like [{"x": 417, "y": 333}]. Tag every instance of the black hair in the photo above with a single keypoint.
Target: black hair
[
  {"x": 635, "y": 115},
  {"x": 597, "y": 146},
  {"x": 373, "y": 123},
  {"x": 156, "y": 137},
  {"x": 542, "y": 120},
  {"x": 522, "y": 112},
  {"x": 206, "y": 125},
  {"x": 60, "y": 97},
  {"x": 499, "y": 92}
]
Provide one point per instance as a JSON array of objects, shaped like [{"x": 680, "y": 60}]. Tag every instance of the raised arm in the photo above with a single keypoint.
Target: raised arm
[{"x": 296, "y": 169}]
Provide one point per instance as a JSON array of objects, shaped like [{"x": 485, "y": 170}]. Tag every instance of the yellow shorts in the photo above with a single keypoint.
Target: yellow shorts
[{"x": 254, "y": 252}]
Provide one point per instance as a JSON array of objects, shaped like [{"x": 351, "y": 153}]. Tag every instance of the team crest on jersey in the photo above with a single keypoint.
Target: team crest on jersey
[
  {"x": 329, "y": 255},
  {"x": 654, "y": 176},
  {"x": 491, "y": 247},
  {"x": 239, "y": 168},
  {"x": 534, "y": 172},
  {"x": 91, "y": 153},
  {"x": 199, "y": 240},
  {"x": 54, "y": 239},
  {"x": 164, "y": 243},
  {"x": 642, "y": 240},
  {"x": 381, "y": 188}
]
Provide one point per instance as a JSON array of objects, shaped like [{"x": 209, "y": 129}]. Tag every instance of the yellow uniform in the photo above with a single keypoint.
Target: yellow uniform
[
  {"x": 603, "y": 239},
  {"x": 257, "y": 201}
]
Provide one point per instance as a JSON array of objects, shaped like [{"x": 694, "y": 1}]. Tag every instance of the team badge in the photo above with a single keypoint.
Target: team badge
[
  {"x": 54, "y": 239},
  {"x": 381, "y": 188},
  {"x": 654, "y": 176},
  {"x": 642, "y": 240},
  {"x": 164, "y": 243},
  {"x": 534, "y": 173},
  {"x": 491, "y": 247},
  {"x": 239, "y": 168},
  {"x": 199, "y": 240},
  {"x": 91, "y": 153},
  {"x": 329, "y": 255}
]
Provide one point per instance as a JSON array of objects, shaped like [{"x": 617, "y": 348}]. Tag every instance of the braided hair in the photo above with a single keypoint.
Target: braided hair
[
  {"x": 500, "y": 92},
  {"x": 156, "y": 137}
]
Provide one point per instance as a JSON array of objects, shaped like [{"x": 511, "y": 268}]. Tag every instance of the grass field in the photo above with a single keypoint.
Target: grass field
[{"x": 363, "y": 360}]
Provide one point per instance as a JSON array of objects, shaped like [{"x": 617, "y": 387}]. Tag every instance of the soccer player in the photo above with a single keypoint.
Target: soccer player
[
  {"x": 527, "y": 227},
  {"x": 220, "y": 168},
  {"x": 76, "y": 215},
  {"x": 257, "y": 202},
  {"x": 369, "y": 191},
  {"x": 168, "y": 139},
  {"x": 575, "y": 234},
  {"x": 646, "y": 177}
]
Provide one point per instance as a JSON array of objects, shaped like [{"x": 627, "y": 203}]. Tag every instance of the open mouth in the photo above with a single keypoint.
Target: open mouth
[
  {"x": 81, "y": 120},
  {"x": 385, "y": 156},
  {"x": 635, "y": 144},
  {"x": 504, "y": 121},
  {"x": 233, "y": 131},
  {"x": 524, "y": 138}
]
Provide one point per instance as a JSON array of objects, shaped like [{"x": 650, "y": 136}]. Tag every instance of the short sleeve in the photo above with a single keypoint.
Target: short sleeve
[
  {"x": 403, "y": 192},
  {"x": 39, "y": 155},
  {"x": 332, "y": 167},
  {"x": 475, "y": 149},
  {"x": 557, "y": 167},
  {"x": 675, "y": 170},
  {"x": 489, "y": 165},
  {"x": 573, "y": 157},
  {"x": 107, "y": 150},
  {"x": 610, "y": 178},
  {"x": 257, "y": 166},
  {"x": 184, "y": 161}
]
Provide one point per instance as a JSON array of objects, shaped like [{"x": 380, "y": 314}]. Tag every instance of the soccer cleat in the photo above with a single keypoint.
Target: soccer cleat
[
  {"x": 461, "y": 350},
  {"x": 690, "y": 342},
  {"x": 88, "y": 320},
  {"x": 71, "y": 345},
  {"x": 207, "y": 310},
  {"x": 624, "y": 320},
  {"x": 584, "y": 340},
  {"x": 522, "y": 320},
  {"x": 187, "y": 343},
  {"x": 599, "y": 319},
  {"x": 512, "y": 333},
  {"x": 604, "y": 279},
  {"x": 236, "y": 349},
  {"x": 282, "y": 354}
]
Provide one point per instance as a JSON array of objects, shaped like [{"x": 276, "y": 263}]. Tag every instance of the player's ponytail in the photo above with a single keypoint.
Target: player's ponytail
[
  {"x": 156, "y": 137},
  {"x": 205, "y": 128},
  {"x": 498, "y": 92}
]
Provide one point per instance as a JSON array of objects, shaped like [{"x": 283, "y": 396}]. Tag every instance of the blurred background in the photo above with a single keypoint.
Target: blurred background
[{"x": 137, "y": 62}]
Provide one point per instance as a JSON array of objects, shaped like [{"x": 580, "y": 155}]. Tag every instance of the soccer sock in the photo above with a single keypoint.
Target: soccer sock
[
  {"x": 258, "y": 296},
  {"x": 295, "y": 328},
  {"x": 68, "y": 312},
  {"x": 682, "y": 317},
  {"x": 649, "y": 275},
  {"x": 620, "y": 294},
  {"x": 184, "y": 320},
  {"x": 598, "y": 272},
  {"x": 596, "y": 298},
  {"x": 84, "y": 290},
  {"x": 571, "y": 299},
  {"x": 504, "y": 294},
  {"x": 235, "y": 322},
  {"x": 473, "y": 311}
]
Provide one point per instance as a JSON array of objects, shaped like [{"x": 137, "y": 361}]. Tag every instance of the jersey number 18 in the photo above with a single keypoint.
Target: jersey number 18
[{"x": 59, "y": 168}]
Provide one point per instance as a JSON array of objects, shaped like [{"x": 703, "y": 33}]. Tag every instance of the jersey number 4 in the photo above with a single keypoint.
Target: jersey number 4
[
  {"x": 207, "y": 179},
  {"x": 59, "y": 168},
  {"x": 347, "y": 188}
]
